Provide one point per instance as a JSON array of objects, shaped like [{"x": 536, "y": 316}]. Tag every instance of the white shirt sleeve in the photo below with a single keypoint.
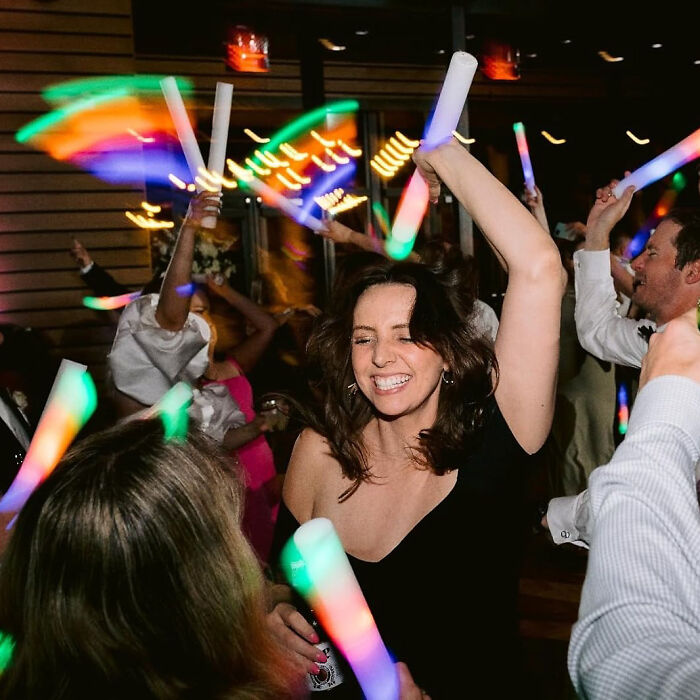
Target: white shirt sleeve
[
  {"x": 600, "y": 328},
  {"x": 638, "y": 634},
  {"x": 568, "y": 519}
]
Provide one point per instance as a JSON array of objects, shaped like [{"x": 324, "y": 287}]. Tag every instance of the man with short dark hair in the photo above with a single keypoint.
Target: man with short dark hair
[{"x": 666, "y": 285}]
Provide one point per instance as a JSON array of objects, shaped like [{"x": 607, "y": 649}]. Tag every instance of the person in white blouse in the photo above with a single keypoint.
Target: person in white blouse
[{"x": 638, "y": 633}]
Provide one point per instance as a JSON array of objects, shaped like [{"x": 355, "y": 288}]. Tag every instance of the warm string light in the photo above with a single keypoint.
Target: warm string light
[
  {"x": 354, "y": 152},
  {"x": 350, "y": 201},
  {"x": 258, "y": 139},
  {"x": 326, "y": 143},
  {"x": 326, "y": 167},
  {"x": 138, "y": 137},
  {"x": 301, "y": 179},
  {"x": 636, "y": 139},
  {"x": 551, "y": 139},
  {"x": 177, "y": 181},
  {"x": 409, "y": 143},
  {"x": 341, "y": 160},
  {"x": 292, "y": 153},
  {"x": 331, "y": 46},
  {"x": 262, "y": 172},
  {"x": 463, "y": 139},
  {"x": 289, "y": 185},
  {"x": 393, "y": 155},
  {"x": 610, "y": 59},
  {"x": 326, "y": 201},
  {"x": 143, "y": 222}
]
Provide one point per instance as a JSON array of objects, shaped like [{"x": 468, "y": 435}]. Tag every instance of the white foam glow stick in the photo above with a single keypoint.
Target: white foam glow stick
[
  {"x": 273, "y": 198},
  {"x": 219, "y": 137},
  {"x": 414, "y": 200},
  {"x": 177, "y": 110},
  {"x": 683, "y": 152}
]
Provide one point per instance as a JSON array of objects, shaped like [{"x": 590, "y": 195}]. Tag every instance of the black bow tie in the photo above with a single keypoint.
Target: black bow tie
[{"x": 646, "y": 332}]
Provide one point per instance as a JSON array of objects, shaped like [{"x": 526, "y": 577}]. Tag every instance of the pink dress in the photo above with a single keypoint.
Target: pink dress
[{"x": 255, "y": 457}]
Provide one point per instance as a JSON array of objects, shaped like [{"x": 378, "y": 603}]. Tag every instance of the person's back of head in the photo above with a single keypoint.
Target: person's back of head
[{"x": 128, "y": 576}]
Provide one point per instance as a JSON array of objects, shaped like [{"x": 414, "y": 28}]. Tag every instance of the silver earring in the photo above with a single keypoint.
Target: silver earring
[
  {"x": 447, "y": 377},
  {"x": 352, "y": 389}
]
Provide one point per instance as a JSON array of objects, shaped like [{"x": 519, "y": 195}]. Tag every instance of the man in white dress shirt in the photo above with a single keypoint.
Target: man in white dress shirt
[
  {"x": 666, "y": 284},
  {"x": 638, "y": 634}
]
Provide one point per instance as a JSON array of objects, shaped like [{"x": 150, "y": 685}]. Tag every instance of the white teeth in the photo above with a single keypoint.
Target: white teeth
[{"x": 390, "y": 382}]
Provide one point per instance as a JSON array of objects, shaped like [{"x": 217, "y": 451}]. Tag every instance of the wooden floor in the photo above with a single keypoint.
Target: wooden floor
[{"x": 550, "y": 589}]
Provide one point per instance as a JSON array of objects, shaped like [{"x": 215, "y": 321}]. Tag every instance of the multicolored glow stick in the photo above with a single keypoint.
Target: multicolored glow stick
[
  {"x": 414, "y": 200},
  {"x": 317, "y": 566},
  {"x": 72, "y": 401},
  {"x": 524, "y": 153},
  {"x": 623, "y": 411},
  {"x": 274, "y": 199},
  {"x": 382, "y": 217},
  {"x": 219, "y": 137},
  {"x": 683, "y": 152},
  {"x": 109, "y": 303}
]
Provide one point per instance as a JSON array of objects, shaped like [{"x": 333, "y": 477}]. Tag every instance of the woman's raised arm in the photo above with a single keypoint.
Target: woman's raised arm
[
  {"x": 173, "y": 307},
  {"x": 527, "y": 344}
]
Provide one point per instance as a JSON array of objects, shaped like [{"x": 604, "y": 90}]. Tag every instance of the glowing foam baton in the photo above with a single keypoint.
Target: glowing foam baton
[
  {"x": 71, "y": 402},
  {"x": 623, "y": 411},
  {"x": 683, "y": 152},
  {"x": 189, "y": 144},
  {"x": 275, "y": 199},
  {"x": 219, "y": 138},
  {"x": 414, "y": 200},
  {"x": 318, "y": 568},
  {"x": 524, "y": 153}
]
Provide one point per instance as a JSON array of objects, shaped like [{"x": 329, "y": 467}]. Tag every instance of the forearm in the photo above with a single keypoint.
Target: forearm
[
  {"x": 507, "y": 225},
  {"x": 173, "y": 308},
  {"x": 256, "y": 315},
  {"x": 237, "y": 437}
]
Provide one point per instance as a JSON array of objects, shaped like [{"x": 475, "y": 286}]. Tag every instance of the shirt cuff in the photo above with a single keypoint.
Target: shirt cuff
[
  {"x": 567, "y": 518},
  {"x": 593, "y": 264},
  {"x": 87, "y": 268},
  {"x": 670, "y": 399}
]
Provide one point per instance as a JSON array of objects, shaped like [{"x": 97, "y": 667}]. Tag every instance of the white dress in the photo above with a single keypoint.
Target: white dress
[{"x": 146, "y": 361}]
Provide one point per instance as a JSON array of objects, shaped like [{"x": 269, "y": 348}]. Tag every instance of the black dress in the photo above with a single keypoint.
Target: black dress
[{"x": 444, "y": 599}]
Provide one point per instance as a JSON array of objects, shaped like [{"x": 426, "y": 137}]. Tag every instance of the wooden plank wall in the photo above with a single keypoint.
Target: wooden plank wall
[{"x": 44, "y": 202}]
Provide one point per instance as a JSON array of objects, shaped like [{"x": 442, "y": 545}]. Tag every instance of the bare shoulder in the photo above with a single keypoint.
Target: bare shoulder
[{"x": 306, "y": 475}]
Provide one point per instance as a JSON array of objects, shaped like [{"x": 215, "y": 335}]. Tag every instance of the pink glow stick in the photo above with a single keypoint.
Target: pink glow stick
[{"x": 683, "y": 152}]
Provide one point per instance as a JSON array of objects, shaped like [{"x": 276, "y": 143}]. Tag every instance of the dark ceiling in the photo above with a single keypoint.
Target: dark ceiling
[{"x": 415, "y": 31}]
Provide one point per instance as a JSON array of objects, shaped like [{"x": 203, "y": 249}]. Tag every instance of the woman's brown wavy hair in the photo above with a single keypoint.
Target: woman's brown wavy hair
[
  {"x": 127, "y": 576},
  {"x": 441, "y": 319}
]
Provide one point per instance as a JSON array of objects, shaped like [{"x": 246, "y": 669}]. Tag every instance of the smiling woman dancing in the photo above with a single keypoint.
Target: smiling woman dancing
[{"x": 423, "y": 434}]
